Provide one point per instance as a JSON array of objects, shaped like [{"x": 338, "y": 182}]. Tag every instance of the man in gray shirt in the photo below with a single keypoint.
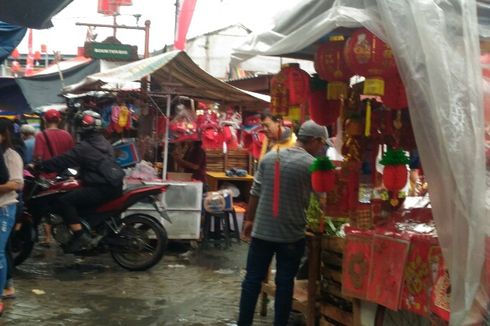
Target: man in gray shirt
[{"x": 282, "y": 234}]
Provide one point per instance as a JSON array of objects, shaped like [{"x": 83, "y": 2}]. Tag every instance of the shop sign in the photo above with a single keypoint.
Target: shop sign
[{"x": 119, "y": 52}]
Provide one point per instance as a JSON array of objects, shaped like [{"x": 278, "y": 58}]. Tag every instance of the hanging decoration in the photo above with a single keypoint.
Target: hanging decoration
[
  {"x": 395, "y": 96},
  {"x": 322, "y": 175},
  {"x": 395, "y": 174},
  {"x": 289, "y": 87},
  {"x": 322, "y": 111},
  {"x": 368, "y": 56},
  {"x": 331, "y": 66}
]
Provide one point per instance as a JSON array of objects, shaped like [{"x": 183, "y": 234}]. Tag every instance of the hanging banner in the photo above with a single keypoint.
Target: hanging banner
[
  {"x": 108, "y": 7},
  {"x": 183, "y": 22}
]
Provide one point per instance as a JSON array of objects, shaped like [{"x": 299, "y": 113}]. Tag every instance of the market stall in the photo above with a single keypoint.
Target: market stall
[
  {"x": 399, "y": 48},
  {"x": 178, "y": 89}
]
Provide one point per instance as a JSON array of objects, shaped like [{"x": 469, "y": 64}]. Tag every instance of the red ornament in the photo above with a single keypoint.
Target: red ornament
[
  {"x": 322, "y": 111},
  {"x": 395, "y": 96},
  {"x": 37, "y": 55},
  {"x": 289, "y": 87},
  {"x": 330, "y": 63},
  {"x": 395, "y": 177},
  {"x": 323, "y": 180},
  {"x": 368, "y": 56},
  {"x": 15, "y": 66},
  {"x": 15, "y": 54}
]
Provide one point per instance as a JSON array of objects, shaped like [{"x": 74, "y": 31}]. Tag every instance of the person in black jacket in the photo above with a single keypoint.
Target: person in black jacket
[{"x": 87, "y": 155}]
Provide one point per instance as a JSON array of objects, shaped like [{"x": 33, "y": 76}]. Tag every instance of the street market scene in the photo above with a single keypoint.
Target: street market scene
[{"x": 231, "y": 162}]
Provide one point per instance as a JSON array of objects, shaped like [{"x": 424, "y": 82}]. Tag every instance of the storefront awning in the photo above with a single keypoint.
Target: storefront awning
[{"x": 171, "y": 73}]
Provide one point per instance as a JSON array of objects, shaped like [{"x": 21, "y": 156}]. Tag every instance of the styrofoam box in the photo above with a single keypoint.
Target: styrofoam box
[
  {"x": 182, "y": 195},
  {"x": 186, "y": 224}
]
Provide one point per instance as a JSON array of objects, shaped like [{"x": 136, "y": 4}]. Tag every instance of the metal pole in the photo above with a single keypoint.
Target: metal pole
[
  {"x": 177, "y": 7},
  {"x": 165, "y": 151},
  {"x": 147, "y": 38},
  {"x": 115, "y": 26}
]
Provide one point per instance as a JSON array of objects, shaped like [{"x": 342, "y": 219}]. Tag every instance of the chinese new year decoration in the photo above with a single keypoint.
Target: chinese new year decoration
[
  {"x": 331, "y": 66},
  {"x": 322, "y": 111},
  {"x": 395, "y": 96},
  {"x": 322, "y": 175},
  {"x": 368, "y": 56},
  {"x": 289, "y": 87},
  {"x": 395, "y": 175}
]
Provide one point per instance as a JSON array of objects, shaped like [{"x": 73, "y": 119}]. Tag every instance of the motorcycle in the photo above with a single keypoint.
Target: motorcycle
[{"x": 135, "y": 241}]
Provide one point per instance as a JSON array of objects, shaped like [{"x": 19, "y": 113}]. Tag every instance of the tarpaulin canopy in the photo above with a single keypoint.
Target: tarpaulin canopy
[
  {"x": 171, "y": 73},
  {"x": 436, "y": 48},
  {"x": 31, "y": 13},
  {"x": 21, "y": 95},
  {"x": 10, "y": 37}
]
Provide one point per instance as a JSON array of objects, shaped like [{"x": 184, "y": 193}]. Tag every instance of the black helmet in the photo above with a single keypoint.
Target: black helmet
[{"x": 89, "y": 121}]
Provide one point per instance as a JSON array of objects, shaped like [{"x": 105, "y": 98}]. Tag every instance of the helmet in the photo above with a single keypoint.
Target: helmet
[
  {"x": 89, "y": 121},
  {"x": 52, "y": 115}
]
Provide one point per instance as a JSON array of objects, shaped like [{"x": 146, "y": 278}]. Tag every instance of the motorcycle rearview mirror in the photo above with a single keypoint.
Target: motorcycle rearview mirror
[{"x": 71, "y": 172}]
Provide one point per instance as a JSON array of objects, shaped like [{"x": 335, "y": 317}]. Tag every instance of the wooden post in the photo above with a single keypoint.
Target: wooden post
[{"x": 313, "y": 276}]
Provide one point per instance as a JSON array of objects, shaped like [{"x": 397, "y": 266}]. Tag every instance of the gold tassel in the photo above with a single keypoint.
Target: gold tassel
[{"x": 367, "y": 130}]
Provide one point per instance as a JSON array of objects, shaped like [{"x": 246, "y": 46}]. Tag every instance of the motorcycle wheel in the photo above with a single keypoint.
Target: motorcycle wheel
[
  {"x": 22, "y": 242},
  {"x": 146, "y": 245}
]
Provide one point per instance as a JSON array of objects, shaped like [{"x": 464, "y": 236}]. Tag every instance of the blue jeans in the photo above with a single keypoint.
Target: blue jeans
[
  {"x": 260, "y": 253},
  {"x": 7, "y": 220}
]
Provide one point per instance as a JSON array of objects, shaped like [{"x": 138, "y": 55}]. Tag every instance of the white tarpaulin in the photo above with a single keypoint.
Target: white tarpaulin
[{"x": 436, "y": 45}]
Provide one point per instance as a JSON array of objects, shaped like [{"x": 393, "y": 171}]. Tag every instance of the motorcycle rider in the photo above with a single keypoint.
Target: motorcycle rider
[{"x": 87, "y": 155}]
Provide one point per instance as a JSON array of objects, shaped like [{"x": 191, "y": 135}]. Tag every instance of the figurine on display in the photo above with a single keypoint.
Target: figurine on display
[
  {"x": 230, "y": 123},
  {"x": 120, "y": 116}
]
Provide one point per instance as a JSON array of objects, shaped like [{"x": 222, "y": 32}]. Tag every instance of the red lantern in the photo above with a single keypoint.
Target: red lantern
[
  {"x": 15, "y": 66},
  {"x": 323, "y": 181},
  {"x": 368, "y": 56},
  {"x": 37, "y": 55},
  {"x": 15, "y": 54},
  {"x": 395, "y": 177},
  {"x": 330, "y": 65},
  {"x": 395, "y": 96}
]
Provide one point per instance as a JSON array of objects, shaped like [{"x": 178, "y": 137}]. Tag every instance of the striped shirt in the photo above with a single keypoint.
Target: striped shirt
[{"x": 295, "y": 189}]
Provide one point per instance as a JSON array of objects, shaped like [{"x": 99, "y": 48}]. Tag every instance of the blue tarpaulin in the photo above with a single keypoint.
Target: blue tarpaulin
[
  {"x": 10, "y": 37},
  {"x": 31, "y": 13}
]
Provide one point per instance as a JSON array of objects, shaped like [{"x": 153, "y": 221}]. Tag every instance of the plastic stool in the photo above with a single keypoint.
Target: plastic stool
[{"x": 222, "y": 232}]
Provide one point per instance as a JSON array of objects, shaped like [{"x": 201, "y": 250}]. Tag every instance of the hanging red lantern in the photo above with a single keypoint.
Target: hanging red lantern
[
  {"x": 331, "y": 66},
  {"x": 322, "y": 175},
  {"x": 15, "y": 66},
  {"x": 15, "y": 54},
  {"x": 366, "y": 55},
  {"x": 37, "y": 55},
  {"x": 395, "y": 174},
  {"x": 289, "y": 87},
  {"x": 395, "y": 96}
]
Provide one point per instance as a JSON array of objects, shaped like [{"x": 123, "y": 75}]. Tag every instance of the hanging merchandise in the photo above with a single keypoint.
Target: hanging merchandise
[
  {"x": 395, "y": 96},
  {"x": 289, "y": 87},
  {"x": 211, "y": 136},
  {"x": 395, "y": 173},
  {"x": 230, "y": 123},
  {"x": 322, "y": 175},
  {"x": 331, "y": 66},
  {"x": 322, "y": 111},
  {"x": 366, "y": 55},
  {"x": 183, "y": 126}
]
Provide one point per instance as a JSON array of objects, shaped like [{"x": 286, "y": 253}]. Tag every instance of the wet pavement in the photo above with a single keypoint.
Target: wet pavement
[{"x": 188, "y": 287}]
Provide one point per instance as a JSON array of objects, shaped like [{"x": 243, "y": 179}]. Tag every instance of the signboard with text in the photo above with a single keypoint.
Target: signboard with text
[{"x": 116, "y": 52}]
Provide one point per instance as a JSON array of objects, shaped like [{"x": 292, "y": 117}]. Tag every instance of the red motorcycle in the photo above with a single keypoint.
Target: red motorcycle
[{"x": 135, "y": 241}]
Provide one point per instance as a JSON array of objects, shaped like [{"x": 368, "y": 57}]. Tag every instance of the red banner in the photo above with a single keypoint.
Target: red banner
[
  {"x": 30, "y": 56},
  {"x": 386, "y": 273},
  {"x": 441, "y": 288},
  {"x": 356, "y": 264},
  {"x": 183, "y": 22},
  {"x": 108, "y": 7}
]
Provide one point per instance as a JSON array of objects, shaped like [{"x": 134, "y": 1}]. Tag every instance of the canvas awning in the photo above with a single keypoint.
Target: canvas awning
[{"x": 171, "y": 73}]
